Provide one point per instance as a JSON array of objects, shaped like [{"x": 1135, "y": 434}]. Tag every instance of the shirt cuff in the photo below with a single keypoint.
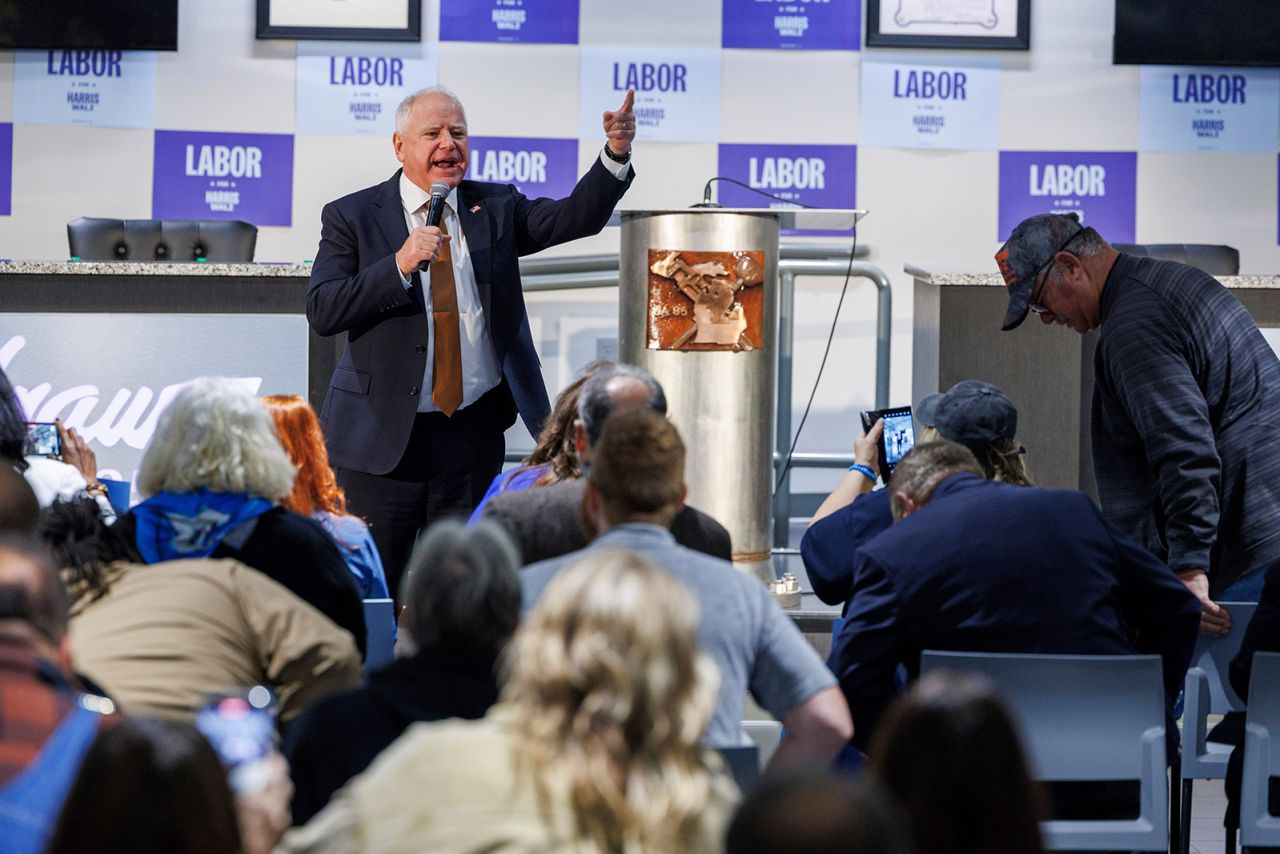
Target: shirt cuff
[
  {"x": 404, "y": 280},
  {"x": 621, "y": 171}
]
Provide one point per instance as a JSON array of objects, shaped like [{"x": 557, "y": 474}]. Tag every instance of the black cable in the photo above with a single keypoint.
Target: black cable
[
  {"x": 786, "y": 468},
  {"x": 706, "y": 194}
]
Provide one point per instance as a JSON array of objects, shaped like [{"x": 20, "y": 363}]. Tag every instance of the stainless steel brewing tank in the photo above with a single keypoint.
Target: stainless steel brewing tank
[{"x": 720, "y": 395}]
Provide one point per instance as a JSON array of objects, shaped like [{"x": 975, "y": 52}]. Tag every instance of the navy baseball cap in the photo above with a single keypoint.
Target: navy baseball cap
[
  {"x": 976, "y": 414},
  {"x": 1030, "y": 247},
  {"x": 927, "y": 409}
]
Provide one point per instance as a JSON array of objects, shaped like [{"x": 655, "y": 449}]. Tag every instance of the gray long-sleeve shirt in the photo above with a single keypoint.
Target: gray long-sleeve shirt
[{"x": 1186, "y": 420}]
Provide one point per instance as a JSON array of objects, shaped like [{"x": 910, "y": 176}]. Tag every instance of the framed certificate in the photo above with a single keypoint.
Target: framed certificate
[
  {"x": 341, "y": 20},
  {"x": 978, "y": 24}
]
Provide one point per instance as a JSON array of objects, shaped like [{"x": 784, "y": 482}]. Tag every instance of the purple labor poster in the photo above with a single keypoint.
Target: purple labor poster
[
  {"x": 6, "y": 168},
  {"x": 527, "y": 21},
  {"x": 820, "y": 176},
  {"x": 790, "y": 24},
  {"x": 1100, "y": 186},
  {"x": 538, "y": 167},
  {"x": 199, "y": 175}
]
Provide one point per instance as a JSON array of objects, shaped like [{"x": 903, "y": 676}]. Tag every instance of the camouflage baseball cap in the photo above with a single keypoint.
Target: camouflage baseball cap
[{"x": 1032, "y": 245}]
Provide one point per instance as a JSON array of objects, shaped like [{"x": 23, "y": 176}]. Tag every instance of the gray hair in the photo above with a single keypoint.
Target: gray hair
[
  {"x": 595, "y": 403},
  {"x": 463, "y": 592},
  {"x": 215, "y": 434},
  {"x": 406, "y": 105},
  {"x": 925, "y": 466}
]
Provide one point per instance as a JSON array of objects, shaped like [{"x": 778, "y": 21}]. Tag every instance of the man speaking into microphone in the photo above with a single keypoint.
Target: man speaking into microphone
[{"x": 439, "y": 357}]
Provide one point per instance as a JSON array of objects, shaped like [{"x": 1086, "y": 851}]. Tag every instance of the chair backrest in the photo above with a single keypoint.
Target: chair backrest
[
  {"x": 1261, "y": 752},
  {"x": 744, "y": 765},
  {"x": 1215, "y": 259},
  {"x": 1213, "y": 655},
  {"x": 1080, "y": 717},
  {"x": 379, "y": 631},
  {"x": 215, "y": 240}
]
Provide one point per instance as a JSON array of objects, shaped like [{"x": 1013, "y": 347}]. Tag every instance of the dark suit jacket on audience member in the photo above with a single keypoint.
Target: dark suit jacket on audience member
[
  {"x": 296, "y": 552},
  {"x": 545, "y": 522},
  {"x": 989, "y": 567},
  {"x": 339, "y": 737}
]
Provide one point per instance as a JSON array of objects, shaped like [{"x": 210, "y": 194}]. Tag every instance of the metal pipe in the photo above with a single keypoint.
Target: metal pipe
[
  {"x": 568, "y": 264},
  {"x": 782, "y": 408},
  {"x": 570, "y": 281}
]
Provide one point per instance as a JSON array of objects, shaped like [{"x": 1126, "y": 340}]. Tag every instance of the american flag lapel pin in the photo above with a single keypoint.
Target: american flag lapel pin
[{"x": 475, "y": 209}]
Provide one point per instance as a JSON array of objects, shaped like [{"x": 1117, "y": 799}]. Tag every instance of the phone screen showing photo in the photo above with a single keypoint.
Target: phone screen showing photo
[
  {"x": 899, "y": 435},
  {"x": 42, "y": 440}
]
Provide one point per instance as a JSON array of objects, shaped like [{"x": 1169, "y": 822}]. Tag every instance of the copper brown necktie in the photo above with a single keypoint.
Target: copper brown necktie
[{"x": 446, "y": 383}]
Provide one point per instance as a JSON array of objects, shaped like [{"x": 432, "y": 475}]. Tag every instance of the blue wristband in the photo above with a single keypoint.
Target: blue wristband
[{"x": 859, "y": 467}]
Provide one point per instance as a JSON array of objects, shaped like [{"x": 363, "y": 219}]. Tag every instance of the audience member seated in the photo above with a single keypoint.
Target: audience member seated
[
  {"x": 949, "y": 753},
  {"x": 46, "y": 722},
  {"x": 554, "y": 457},
  {"x": 215, "y": 473},
  {"x": 462, "y": 600},
  {"x": 817, "y": 813},
  {"x": 73, "y": 472},
  {"x": 1261, "y": 635},
  {"x": 593, "y": 746},
  {"x": 972, "y": 564},
  {"x": 19, "y": 509},
  {"x": 635, "y": 486},
  {"x": 162, "y": 638},
  {"x": 152, "y": 785},
  {"x": 973, "y": 413},
  {"x": 316, "y": 492},
  {"x": 546, "y": 522}
]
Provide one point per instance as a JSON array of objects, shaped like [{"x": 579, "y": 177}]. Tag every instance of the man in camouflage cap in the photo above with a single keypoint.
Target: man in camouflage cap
[{"x": 1186, "y": 403}]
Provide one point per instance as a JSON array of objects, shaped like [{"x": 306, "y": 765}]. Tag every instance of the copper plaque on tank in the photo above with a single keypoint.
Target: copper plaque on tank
[{"x": 705, "y": 300}]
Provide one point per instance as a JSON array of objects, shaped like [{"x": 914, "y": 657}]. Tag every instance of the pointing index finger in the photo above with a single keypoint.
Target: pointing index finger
[{"x": 628, "y": 102}]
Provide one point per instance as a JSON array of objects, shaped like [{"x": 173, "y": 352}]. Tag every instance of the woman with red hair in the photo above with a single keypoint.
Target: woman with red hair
[{"x": 316, "y": 492}]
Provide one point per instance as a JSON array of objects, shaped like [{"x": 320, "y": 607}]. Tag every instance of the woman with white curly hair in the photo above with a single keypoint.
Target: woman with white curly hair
[
  {"x": 593, "y": 745},
  {"x": 215, "y": 473}
]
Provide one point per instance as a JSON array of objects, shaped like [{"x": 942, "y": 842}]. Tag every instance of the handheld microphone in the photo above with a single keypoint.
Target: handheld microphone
[{"x": 435, "y": 210}]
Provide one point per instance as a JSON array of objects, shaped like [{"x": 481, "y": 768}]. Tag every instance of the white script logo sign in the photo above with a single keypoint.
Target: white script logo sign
[{"x": 56, "y": 365}]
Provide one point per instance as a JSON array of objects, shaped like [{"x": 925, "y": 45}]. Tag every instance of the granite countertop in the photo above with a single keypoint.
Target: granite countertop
[
  {"x": 150, "y": 268},
  {"x": 943, "y": 277}
]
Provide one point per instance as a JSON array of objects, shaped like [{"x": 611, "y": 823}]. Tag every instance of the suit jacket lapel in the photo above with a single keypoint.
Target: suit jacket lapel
[
  {"x": 389, "y": 214},
  {"x": 475, "y": 225}
]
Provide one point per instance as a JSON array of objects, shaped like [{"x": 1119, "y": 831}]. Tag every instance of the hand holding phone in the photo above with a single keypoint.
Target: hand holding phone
[
  {"x": 897, "y": 436},
  {"x": 241, "y": 729}
]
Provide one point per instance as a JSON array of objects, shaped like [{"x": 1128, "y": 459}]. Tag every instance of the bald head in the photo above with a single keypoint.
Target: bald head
[
  {"x": 612, "y": 387},
  {"x": 31, "y": 591}
]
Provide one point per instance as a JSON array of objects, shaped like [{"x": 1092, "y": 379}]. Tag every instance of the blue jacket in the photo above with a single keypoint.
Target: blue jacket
[
  {"x": 985, "y": 566},
  {"x": 828, "y": 546}
]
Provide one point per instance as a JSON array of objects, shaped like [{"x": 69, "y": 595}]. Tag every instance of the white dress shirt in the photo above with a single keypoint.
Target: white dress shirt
[{"x": 480, "y": 368}]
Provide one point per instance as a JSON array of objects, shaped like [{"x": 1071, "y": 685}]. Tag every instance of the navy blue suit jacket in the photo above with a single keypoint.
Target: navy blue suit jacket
[
  {"x": 355, "y": 288},
  {"x": 989, "y": 567}
]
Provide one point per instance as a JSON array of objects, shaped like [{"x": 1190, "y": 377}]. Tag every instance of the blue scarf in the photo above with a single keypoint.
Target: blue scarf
[{"x": 172, "y": 525}]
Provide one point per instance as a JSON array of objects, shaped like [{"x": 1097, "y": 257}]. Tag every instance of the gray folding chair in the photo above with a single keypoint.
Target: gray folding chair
[
  {"x": 1261, "y": 752},
  {"x": 1208, "y": 692},
  {"x": 1085, "y": 717},
  {"x": 380, "y": 633}
]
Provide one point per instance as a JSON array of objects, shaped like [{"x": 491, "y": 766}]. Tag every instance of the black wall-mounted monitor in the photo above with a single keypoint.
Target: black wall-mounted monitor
[
  {"x": 1197, "y": 32},
  {"x": 89, "y": 24}
]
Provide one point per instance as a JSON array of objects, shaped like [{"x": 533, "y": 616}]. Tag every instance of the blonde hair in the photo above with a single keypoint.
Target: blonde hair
[
  {"x": 612, "y": 694},
  {"x": 215, "y": 434}
]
